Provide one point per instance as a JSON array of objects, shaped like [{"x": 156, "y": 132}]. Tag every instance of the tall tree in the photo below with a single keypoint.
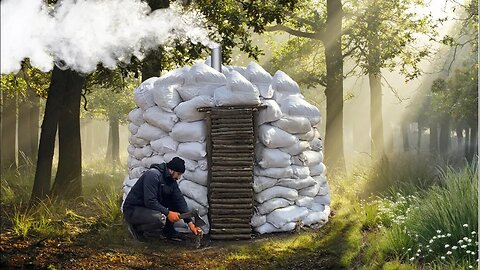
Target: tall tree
[
  {"x": 62, "y": 111},
  {"x": 381, "y": 34},
  {"x": 322, "y": 22}
]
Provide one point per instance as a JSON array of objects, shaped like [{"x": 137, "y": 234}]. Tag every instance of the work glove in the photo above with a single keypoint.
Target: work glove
[
  {"x": 195, "y": 230},
  {"x": 173, "y": 216}
]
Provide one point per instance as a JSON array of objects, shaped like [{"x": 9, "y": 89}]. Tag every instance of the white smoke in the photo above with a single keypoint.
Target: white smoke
[{"x": 82, "y": 33}]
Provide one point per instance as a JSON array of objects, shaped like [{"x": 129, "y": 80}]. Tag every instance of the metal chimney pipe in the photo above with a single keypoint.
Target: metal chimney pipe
[{"x": 216, "y": 58}]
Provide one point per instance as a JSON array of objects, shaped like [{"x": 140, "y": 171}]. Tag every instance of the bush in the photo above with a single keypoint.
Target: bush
[{"x": 441, "y": 228}]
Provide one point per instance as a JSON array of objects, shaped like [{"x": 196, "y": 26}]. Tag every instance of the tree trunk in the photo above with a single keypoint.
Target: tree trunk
[
  {"x": 444, "y": 144},
  {"x": 34, "y": 121},
  {"x": 53, "y": 110},
  {"x": 108, "y": 155},
  {"x": 334, "y": 154},
  {"x": 467, "y": 142},
  {"x": 68, "y": 181},
  {"x": 433, "y": 138},
  {"x": 459, "y": 131},
  {"x": 9, "y": 130},
  {"x": 377, "y": 142},
  {"x": 405, "y": 130},
  {"x": 472, "y": 149},
  {"x": 115, "y": 131},
  {"x": 26, "y": 131},
  {"x": 419, "y": 138}
]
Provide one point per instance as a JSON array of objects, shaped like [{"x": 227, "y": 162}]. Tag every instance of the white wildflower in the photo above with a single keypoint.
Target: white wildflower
[
  {"x": 468, "y": 252},
  {"x": 449, "y": 252},
  {"x": 474, "y": 232},
  {"x": 454, "y": 247},
  {"x": 443, "y": 257},
  {"x": 465, "y": 238},
  {"x": 465, "y": 225},
  {"x": 447, "y": 245},
  {"x": 463, "y": 246},
  {"x": 438, "y": 231},
  {"x": 431, "y": 241},
  {"x": 449, "y": 234}
]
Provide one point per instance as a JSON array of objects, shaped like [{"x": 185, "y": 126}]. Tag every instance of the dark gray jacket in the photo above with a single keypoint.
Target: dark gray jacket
[{"x": 156, "y": 190}]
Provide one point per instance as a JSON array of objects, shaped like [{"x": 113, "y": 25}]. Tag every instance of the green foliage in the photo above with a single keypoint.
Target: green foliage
[
  {"x": 107, "y": 203},
  {"x": 382, "y": 34},
  {"x": 441, "y": 228},
  {"x": 110, "y": 94},
  {"x": 22, "y": 221}
]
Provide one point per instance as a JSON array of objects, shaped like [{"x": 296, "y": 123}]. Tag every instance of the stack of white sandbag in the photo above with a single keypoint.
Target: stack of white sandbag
[
  {"x": 289, "y": 183},
  {"x": 290, "y": 178},
  {"x": 167, "y": 123}
]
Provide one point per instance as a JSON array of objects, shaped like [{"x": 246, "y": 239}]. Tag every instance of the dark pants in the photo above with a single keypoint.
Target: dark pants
[{"x": 146, "y": 219}]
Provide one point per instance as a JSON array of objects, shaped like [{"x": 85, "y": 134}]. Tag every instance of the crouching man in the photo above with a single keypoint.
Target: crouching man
[{"x": 155, "y": 202}]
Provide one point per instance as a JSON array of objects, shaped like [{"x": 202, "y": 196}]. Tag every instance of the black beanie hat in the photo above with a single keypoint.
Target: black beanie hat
[{"x": 176, "y": 164}]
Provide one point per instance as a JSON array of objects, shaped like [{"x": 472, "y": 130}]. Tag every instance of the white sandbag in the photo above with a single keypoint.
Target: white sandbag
[
  {"x": 304, "y": 201},
  {"x": 194, "y": 191},
  {"x": 223, "y": 96},
  {"x": 256, "y": 74},
  {"x": 260, "y": 78},
  {"x": 189, "y": 91},
  {"x": 281, "y": 216},
  {"x": 323, "y": 199},
  {"x": 166, "y": 96},
  {"x": 316, "y": 144},
  {"x": 192, "y": 150},
  {"x": 198, "y": 176},
  {"x": 283, "y": 84},
  {"x": 274, "y": 172},
  {"x": 227, "y": 70},
  {"x": 176, "y": 76},
  {"x": 300, "y": 171},
  {"x": 321, "y": 179},
  {"x": 272, "y": 158},
  {"x": 136, "y": 141},
  {"x": 136, "y": 116},
  {"x": 316, "y": 207},
  {"x": 258, "y": 220},
  {"x": 142, "y": 152},
  {"x": 276, "y": 192},
  {"x": 202, "y": 73},
  {"x": 295, "y": 105},
  {"x": 148, "y": 161},
  {"x": 132, "y": 128},
  {"x": 143, "y": 95},
  {"x": 189, "y": 131},
  {"x": 271, "y": 113},
  {"x": 129, "y": 182},
  {"x": 187, "y": 110},
  {"x": 293, "y": 124},
  {"x": 310, "y": 191},
  {"x": 296, "y": 148},
  {"x": 273, "y": 137},
  {"x": 298, "y": 184},
  {"x": 131, "y": 149},
  {"x": 272, "y": 204},
  {"x": 192, "y": 204},
  {"x": 237, "y": 83},
  {"x": 318, "y": 169},
  {"x": 190, "y": 165},
  {"x": 306, "y": 136},
  {"x": 160, "y": 118},
  {"x": 269, "y": 228},
  {"x": 164, "y": 145},
  {"x": 308, "y": 158},
  {"x": 203, "y": 164},
  {"x": 136, "y": 172},
  {"x": 132, "y": 162},
  {"x": 323, "y": 190},
  {"x": 314, "y": 218},
  {"x": 262, "y": 182},
  {"x": 150, "y": 133}
]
